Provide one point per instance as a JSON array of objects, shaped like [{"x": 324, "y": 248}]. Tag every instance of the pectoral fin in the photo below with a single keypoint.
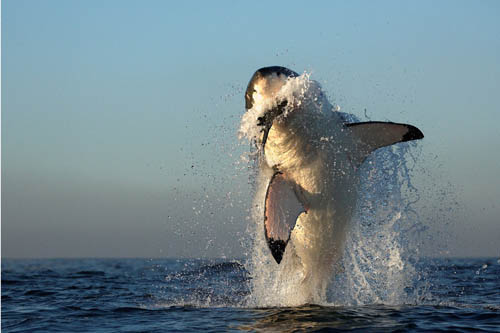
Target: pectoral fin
[
  {"x": 376, "y": 134},
  {"x": 282, "y": 208}
]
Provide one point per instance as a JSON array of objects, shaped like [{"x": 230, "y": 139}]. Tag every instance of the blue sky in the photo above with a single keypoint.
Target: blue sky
[{"x": 119, "y": 118}]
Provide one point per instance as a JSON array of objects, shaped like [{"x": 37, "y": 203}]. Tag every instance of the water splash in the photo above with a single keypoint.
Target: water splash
[{"x": 382, "y": 252}]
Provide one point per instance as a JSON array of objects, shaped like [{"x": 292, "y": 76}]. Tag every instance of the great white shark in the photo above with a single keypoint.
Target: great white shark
[{"x": 310, "y": 155}]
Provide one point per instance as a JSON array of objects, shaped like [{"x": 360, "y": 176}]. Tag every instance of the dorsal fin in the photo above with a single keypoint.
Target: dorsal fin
[{"x": 372, "y": 135}]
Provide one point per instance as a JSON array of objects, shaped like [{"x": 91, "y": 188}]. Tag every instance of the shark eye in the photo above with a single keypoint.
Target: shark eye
[{"x": 261, "y": 121}]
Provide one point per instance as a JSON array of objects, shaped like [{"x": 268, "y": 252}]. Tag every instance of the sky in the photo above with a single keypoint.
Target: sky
[{"x": 119, "y": 118}]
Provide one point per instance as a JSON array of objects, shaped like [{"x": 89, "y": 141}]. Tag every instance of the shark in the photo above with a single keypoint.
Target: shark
[{"x": 310, "y": 154}]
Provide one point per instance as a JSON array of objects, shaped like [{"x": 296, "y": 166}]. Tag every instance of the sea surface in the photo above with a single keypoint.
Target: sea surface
[{"x": 167, "y": 295}]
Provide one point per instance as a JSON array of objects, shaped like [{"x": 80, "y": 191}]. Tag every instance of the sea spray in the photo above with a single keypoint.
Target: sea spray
[{"x": 380, "y": 262}]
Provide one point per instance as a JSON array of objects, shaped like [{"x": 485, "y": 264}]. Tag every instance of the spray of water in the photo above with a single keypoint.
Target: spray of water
[{"x": 380, "y": 262}]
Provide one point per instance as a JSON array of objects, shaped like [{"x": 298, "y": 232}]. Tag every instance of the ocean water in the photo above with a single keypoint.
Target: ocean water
[{"x": 167, "y": 295}]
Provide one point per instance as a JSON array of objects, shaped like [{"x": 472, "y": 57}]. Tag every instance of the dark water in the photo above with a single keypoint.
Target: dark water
[{"x": 140, "y": 295}]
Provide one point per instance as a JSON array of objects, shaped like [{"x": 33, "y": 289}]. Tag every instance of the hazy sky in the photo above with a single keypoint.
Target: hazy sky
[{"x": 119, "y": 118}]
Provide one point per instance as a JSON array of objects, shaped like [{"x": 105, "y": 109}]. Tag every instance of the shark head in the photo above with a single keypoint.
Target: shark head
[{"x": 265, "y": 101}]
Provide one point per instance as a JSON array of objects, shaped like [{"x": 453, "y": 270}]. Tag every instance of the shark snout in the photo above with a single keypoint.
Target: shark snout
[{"x": 265, "y": 83}]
